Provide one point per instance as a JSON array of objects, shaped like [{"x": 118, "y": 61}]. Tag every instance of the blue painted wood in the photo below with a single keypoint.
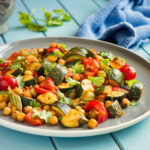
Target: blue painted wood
[
  {"x": 1, "y": 41},
  {"x": 68, "y": 29},
  {"x": 13, "y": 140},
  {"x": 80, "y": 9},
  {"x": 146, "y": 47},
  {"x": 136, "y": 137},
  {"x": 101, "y": 3},
  {"x": 16, "y": 30},
  {"x": 89, "y": 143}
]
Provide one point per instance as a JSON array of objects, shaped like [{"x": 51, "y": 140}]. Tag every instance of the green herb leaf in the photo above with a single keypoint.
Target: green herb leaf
[
  {"x": 66, "y": 17},
  {"x": 34, "y": 103},
  {"x": 43, "y": 114},
  {"x": 36, "y": 27},
  {"x": 56, "y": 22},
  {"x": 72, "y": 82},
  {"x": 63, "y": 99},
  {"x": 59, "y": 53},
  {"x": 134, "y": 103},
  {"x": 25, "y": 18},
  {"x": 15, "y": 65},
  {"x": 48, "y": 16},
  {"x": 130, "y": 82},
  {"x": 59, "y": 11},
  {"x": 105, "y": 62},
  {"x": 2, "y": 60},
  {"x": 78, "y": 68},
  {"x": 104, "y": 54},
  {"x": 4, "y": 92},
  {"x": 20, "y": 81},
  {"x": 97, "y": 81},
  {"x": 63, "y": 45}
]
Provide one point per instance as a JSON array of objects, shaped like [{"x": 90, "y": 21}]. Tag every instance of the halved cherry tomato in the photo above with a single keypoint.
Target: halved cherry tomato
[
  {"x": 36, "y": 121},
  {"x": 51, "y": 49},
  {"x": 7, "y": 81},
  {"x": 49, "y": 85},
  {"x": 5, "y": 64},
  {"x": 119, "y": 89},
  {"x": 129, "y": 72},
  {"x": 13, "y": 56},
  {"x": 98, "y": 106},
  {"x": 40, "y": 90}
]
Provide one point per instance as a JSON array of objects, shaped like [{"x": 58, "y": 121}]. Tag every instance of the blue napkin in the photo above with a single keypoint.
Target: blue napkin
[{"x": 123, "y": 22}]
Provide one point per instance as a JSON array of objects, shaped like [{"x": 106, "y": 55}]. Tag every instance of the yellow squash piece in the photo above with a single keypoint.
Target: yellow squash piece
[{"x": 4, "y": 97}]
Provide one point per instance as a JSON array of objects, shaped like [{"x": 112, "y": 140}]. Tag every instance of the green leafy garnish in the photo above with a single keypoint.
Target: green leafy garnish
[
  {"x": 36, "y": 27},
  {"x": 63, "y": 45},
  {"x": 48, "y": 16},
  {"x": 20, "y": 81},
  {"x": 20, "y": 58},
  {"x": 72, "y": 82},
  {"x": 134, "y": 103},
  {"x": 4, "y": 92},
  {"x": 63, "y": 15},
  {"x": 25, "y": 18},
  {"x": 104, "y": 54},
  {"x": 2, "y": 60},
  {"x": 43, "y": 114},
  {"x": 34, "y": 103},
  {"x": 78, "y": 68},
  {"x": 130, "y": 82},
  {"x": 58, "y": 53},
  {"x": 97, "y": 81},
  {"x": 105, "y": 62},
  {"x": 63, "y": 99},
  {"x": 15, "y": 65}
]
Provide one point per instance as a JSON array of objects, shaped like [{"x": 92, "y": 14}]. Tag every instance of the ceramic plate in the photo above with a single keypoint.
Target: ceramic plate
[{"x": 132, "y": 114}]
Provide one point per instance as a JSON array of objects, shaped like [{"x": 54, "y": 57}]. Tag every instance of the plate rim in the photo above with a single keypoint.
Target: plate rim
[{"x": 81, "y": 133}]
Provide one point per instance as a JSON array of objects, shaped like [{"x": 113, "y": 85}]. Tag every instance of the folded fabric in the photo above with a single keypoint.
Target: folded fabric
[{"x": 123, "y": 22}]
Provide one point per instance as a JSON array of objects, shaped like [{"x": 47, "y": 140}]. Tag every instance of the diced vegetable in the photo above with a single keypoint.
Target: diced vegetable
[
  {"x": 29, "y": 80},
  {"x": 103, "y": 89},
  {"x": 17, "y": 71},
  {"x": 117, "y": 63},
  {"x": 64, "y": 87}
]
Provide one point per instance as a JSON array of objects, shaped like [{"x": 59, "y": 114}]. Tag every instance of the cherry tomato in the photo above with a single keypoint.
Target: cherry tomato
[
  {"x": 36, "y": 121},
  {"x": 129, "y": 72},
  {"x": 48, "y": 84},
  {"x": 7, "y": 81},
  {"x": 13, "y": 56},
  {"x": 40, "y": 90},
  {"x": 51, "y": 49}
]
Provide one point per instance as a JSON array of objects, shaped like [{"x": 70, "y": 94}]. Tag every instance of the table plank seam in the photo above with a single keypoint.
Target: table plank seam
[
  {"x": 53, "y": 143},
  {"x": 145, "y": 50},
  {"x": 3, "y": 39},
  {"x": 29, "y": 11},
  {"x": 62, "y": 5},
  {"x": 96, "y": 3}
]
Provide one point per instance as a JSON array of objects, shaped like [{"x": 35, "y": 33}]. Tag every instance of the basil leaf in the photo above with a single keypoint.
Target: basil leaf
[
  {"x": 34, "y": 103},
  {"x": 63, "y": 99},
  {"x": 48, "y": 16},
  {"x": 2, "y": 60},
  {"x": 72, "y": 82},
  {"x": 134, "y": 103},
  {"x": 20, "y": 81},
  {"x": 25, "y": 18},
  {"x": 58, "y": 53},
  {"x": 97, "y": 81},
  {"x": 36, "y": 27},
  {"x": 130, "y": 82},
  {"x": 43, "y": 114},
  {"x": 105, "y": 62},
  {"x": 66, "y": 17},
  {"x": 78, "y": 68}
]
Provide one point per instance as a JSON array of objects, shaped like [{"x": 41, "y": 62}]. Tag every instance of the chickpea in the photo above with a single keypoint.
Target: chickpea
[
  {"x": 27, "y": 94},
  {"x": 28, "y": 72},
  {"x": 92, "y": 123},
  {"x": 4, "y": 97},
  {"x": 61, "y": 61},
  {"x": 20, "y": 117},
  {"x": 41, "y": 79},
  {"x": 53, "y": 120},
  {"x": 53, "y": 44},
  {"x": 39, "y": 50},
  {"x": 3, "y": 105},
  {"x": 23, "y": 51},
  {"x": 46, "y": 107},
  {"x": 108, "y": 103},
  {"x": 93, "y": 113},
  {"x": 14, "y": 114},
  {"x": 33, "y": 51},
  {"x": 97, "y": 57},
  {"x": 10, "y": 105},
  {"x": 92, "y": 50},
  {"x": 125, "y": 102},
  {"x": 78, "y": 108},
  {"x": 76, "y": 76},
  {"x": 101, "y": 97},
  {"x": 7, "y": 111},
  {"x": 53, "y": 112},
  {"x": 18, "y": 91},
  {"x": 27, "y": 109},
  {"x": 13, "y": 109},
  {"x": 100, "y": 72},
  {"x": 33, "y": 92}
]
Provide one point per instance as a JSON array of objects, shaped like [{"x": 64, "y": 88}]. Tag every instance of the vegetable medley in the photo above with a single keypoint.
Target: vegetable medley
[{"x": 72, "y": 87}]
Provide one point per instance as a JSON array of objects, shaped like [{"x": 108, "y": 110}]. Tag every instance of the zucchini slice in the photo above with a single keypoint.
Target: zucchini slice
[
  {"x": 47, "y": 98},
  {"x": 103, "y": 89},
  {"x": 17, "y": 71},
  {"x": 135, "y": 91},
  {"x": 57, "y": 74},
  {"x": 115, "y": 78},
  {"x": 52, "y": 57},
  {"x": 114, "y": 109},
  {"x": 61, "y": 109},
  {"x": 104, "y": 67},
  {"x": 47, "y": 66},
  {"x": 87, "y": 96},
  {"x": 64, "y": 87},
  {"x": 34, "y": 66},
  {"x": 29, "y": 80},
  {"x": 108, "y": 55},
  {"x": 26, "y": 101},
  {"x": 71, "y": 93},
  {"x": 117, "y": 63}
]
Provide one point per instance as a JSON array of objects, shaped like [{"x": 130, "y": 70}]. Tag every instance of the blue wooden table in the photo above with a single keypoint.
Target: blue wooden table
[{"x": 136, "y": 137}]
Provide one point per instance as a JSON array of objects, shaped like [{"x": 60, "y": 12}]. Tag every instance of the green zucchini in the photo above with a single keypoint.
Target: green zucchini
[
  {"x": 108, "y": 55},
  {"x": 87, "y": 96},
  {"x": 114, "y": 109},
  {"x": 115, "y": 78},
  {"x": 87, "y": 52},
  {"x": 135, "y": 91},
  {"x": 17, "y": 71},
  {"x": 47, "y": 66},
  {"x": 57, "y": 74},
  {"x": 103, "y": 89},
  {"x": 64, "y": 87},
  {"x": 29, "y": 80},
  {"x": 71, "y": 93},
  {"x": 115, "y": 95},
  {"x": 26, "y": 101},
  {"x": 61, "y": 109},
  {"x": 70, "y": 64},
  {"x": 51, "y": 57}
]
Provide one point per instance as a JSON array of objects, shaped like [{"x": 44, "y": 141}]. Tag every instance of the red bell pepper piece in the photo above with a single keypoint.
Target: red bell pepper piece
[
  {"x": 40, "y": 90},
  {"x": 13, "y": 56},
  {"x": 51, "y": 49}
]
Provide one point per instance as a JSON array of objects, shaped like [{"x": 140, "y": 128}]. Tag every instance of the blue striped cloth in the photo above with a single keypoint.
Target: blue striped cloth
[{"x": 123, "y": 22}]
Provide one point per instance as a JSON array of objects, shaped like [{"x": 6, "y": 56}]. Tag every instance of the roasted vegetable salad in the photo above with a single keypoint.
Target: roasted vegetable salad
[{"x": 72, "y": 87}]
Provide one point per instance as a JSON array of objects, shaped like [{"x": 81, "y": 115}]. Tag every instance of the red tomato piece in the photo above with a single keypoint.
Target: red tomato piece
[
  {"x": 7, "y": 81},
  {"x": 40, "y": 90},
  {"x": 36, "y": 121},
  {"x": 13, "y": 56},
  {"x": 5, "y": 64},
  {"x": 129, "y": 72},
  {"x": 52, "y": 49}
]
